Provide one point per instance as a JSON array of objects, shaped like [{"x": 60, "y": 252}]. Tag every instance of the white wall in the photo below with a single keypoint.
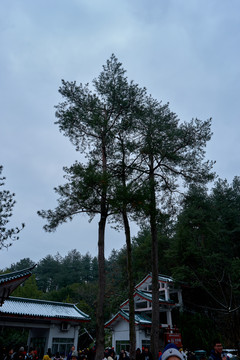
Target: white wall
[
  {"x": 56, "y": 332},
  {"x": 121, "y": 332}
]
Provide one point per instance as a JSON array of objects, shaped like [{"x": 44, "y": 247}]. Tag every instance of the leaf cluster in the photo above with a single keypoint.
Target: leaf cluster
[
  {"x": 7, "y": 202},
  {"x": 205, "y": 250},
  {"x": 126, "y": 137}
]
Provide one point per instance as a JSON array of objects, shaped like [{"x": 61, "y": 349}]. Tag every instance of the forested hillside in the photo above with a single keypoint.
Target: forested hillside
[{"x": 201, "y": 250}]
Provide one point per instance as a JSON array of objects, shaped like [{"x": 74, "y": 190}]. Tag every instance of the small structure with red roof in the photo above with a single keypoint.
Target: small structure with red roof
[{"x": 170, "y": 297}]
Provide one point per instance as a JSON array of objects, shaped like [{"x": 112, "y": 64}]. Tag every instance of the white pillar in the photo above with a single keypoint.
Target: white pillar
[
  {"x": 113, "y": 340},
  {"x": 169, "y": 318},
  {"x": 180, "y": 301},
  {"x": 138, "y": 331},
  {"x": 167, "y": 297},
  {"x": 76, "y": 331}
]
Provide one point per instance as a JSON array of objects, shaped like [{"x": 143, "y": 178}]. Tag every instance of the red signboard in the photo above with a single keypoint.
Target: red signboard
[{"x": 174, "y": 338}]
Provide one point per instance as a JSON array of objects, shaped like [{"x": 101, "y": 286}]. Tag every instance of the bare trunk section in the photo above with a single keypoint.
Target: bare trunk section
[
  {"x": 101, "y": 291},
  {"x": 155, "y": 284},
  {"x": 101, "y": 261},
  {"x": 132, "y": 332}
]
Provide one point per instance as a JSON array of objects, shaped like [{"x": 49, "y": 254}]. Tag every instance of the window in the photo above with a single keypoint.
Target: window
[
  {"x": 141, "y": 304},
  {"x": 63, "y": 345},
  {"x": 146, "y": 343},
  {"x": 163, "y": 317},
  {"x": 122, "y": 344}
]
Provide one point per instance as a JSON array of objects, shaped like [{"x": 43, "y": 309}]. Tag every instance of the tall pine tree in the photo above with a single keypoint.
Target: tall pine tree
[{"x": 91, "y": 120}]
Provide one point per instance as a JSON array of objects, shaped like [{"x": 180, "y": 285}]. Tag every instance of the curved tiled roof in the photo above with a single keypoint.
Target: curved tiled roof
[
  {"x": 30, "y": 308},
  {"x": 15, "y": 275},
  {"x": 139, "y": 319},
  {"x": 9, "y": 282},
  {"x": 147, "y": 295},
  {"x": 161, "y": 278}
]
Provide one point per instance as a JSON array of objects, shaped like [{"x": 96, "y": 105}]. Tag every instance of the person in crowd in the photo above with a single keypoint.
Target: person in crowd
[
  {"x": 35, "y": 354},
  {"x": 110, "y": 354},
  {"x": 20, "y": 354},
  {"x": 58, "y": 356},
  {"x": 217, "y": 351},
  {"x": 30, "y": 354},
  {"x": 46, "y": 357},
  {"x": 171, "y": 352},
  {"x": 146, "y": 354},
  {"x": 123, "y": 355},
  {"x": 138, "y": 354},
  {"x": 191, "y": 356},
  {"x": 105, "y": 354},
  {"x": 74, "y": 355},
  {"x": 91, "y": 353},
  {"x": 70, "y": 353},
  {"x": 10, "y": 354}
]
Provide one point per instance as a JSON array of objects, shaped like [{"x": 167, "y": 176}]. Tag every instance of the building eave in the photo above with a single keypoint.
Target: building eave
[
  {"x": 125, "y": 316},
  {"x": 161, "y": 278},
  {"x": 25, "y": 308},
  {"x": 10, "y": 281},
  {"x": 147, "y": 298}
]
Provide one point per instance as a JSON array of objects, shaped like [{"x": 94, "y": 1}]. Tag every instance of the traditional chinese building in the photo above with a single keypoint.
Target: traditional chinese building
[
  {"x": 52, "y": 325},
  {"x": 170, "y": 297}
]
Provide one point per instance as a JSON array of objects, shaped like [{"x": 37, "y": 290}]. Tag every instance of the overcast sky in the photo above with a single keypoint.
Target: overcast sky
[{"x": 185, "y": 52}]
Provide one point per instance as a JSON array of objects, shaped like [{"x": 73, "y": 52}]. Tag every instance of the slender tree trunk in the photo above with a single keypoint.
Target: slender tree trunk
[
  {"x": 132, "y": 332},
  {"x": 101, "y": 263},
  {"x": 155, "y": 283},
  {"x": 101, "y": 290}
]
